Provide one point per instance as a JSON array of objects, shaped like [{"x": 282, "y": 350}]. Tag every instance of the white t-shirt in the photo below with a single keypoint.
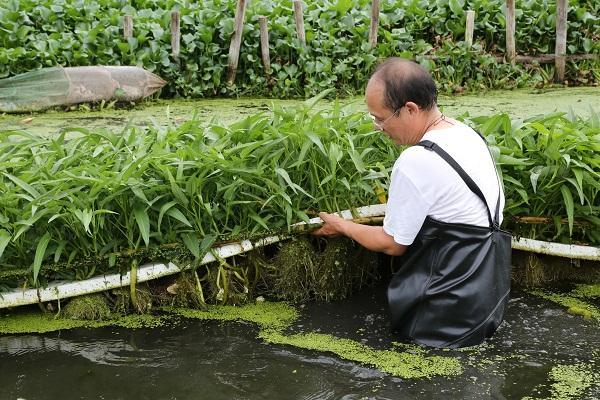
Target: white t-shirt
[{"x": 424, "y": 184}]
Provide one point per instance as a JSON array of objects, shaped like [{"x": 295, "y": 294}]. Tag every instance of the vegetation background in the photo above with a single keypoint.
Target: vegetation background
[{"x": 41, "y": 33}]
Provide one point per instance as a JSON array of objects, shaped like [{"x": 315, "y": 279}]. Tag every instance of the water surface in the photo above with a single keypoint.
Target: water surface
[
  {"x": 522, "y": 103},
  {"x": 214, "y": 360}
]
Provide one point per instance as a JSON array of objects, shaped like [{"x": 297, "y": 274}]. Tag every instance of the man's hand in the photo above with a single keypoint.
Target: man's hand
[
  {"x": 372, "y": 237},
  {"x": 334, "y": 225}
]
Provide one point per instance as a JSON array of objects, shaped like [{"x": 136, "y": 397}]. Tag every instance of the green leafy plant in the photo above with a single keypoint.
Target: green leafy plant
[
  {"x": 95, "y": 202},
  {"x": 36, "y": 34}
]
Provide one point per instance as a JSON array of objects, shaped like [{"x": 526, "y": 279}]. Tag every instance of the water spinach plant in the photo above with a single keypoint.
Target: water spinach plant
[{"x": 84, "y": 203}]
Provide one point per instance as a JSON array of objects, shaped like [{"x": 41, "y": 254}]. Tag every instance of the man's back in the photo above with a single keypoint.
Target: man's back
[{"x": 423, "y": 184}]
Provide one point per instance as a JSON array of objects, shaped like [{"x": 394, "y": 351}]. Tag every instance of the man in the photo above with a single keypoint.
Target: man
[{"x": 444, "y": 208}]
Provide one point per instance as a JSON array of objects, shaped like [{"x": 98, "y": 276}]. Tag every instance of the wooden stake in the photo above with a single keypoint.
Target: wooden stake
[
  {"x": 264, "y": 44},
  {"x": 374, "y": 24},
  {"x": 236, "y": 41},
  {"x": 175, "y": 33},
  {"x": 127, "y": 27},
  {"x": 470, "y": 27},
  {"x": 560, "y": 49},
  {"x": 511, "y": 52},
  {"x": 299, "y": 17}
]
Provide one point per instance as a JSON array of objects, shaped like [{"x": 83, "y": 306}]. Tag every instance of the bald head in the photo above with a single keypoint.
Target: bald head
[{"x": 404, "y": 81}]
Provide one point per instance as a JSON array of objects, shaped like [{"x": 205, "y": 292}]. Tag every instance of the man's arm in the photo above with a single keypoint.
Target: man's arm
[{"x": 373, "y": 238}]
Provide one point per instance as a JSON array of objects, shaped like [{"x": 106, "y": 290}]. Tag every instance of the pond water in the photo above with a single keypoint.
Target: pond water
[
  {"x": 195, "y": 359},
  {"x": 517, "y": 103}
]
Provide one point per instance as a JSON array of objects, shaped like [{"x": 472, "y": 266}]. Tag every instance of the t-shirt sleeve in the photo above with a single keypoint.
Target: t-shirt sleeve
[{"x": 406, "y": 209}]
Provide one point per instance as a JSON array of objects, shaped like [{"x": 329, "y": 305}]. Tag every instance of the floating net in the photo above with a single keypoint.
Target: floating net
[{"x": 49, "y": 87}]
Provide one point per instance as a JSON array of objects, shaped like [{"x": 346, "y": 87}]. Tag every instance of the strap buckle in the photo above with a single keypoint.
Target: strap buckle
[{"x": 429, "y": 145}]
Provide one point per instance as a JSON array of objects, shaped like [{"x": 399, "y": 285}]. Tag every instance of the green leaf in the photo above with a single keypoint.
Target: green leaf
[
  {"x": 191, "y": 242},
  {"x": 578, "y": 188},
  {"x": 358, "y": 163},
  {"x": 456, "y": 7},
  {"x": 163, "y": 210},
  {"x": 140, "y": 194},
  {"x": 206, "y": 244},
  {"x": 569, "y": 205},
  {"x": 143, "y": 222},
  {"x": 286, "y": 177},
  {"x": 59, "y": 250},
  {"x": 25, "y": 186},
  {"x": 4, "y": 240},
  {"x": 85, "y": 217},
  {"x": 40, "y": 252},
  {"x": 310, "y": 103},
  {"x": 178, "y": 215}
]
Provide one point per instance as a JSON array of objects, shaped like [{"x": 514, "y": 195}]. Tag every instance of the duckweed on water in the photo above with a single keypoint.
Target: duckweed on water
[
  {"x": 273, "y": 318},
  {"x": 570, "y": 381},
  {"x": 34, "y": 322},
  {"x": 404, "y": 365},
  {"x": 573, "y": 304},
  {"x": 587, "y": 291},
  {"x": 267, "y": 315}
]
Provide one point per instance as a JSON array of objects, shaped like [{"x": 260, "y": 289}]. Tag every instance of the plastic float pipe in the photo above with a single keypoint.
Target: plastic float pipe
[
  {"x": 147, "y": 272},
  {"x": 557, "y": 249}
]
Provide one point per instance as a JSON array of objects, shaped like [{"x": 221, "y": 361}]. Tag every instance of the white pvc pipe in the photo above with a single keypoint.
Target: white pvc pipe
[
  {"x": 147, "y": 272},
  {"x": 557, "y": 249}
]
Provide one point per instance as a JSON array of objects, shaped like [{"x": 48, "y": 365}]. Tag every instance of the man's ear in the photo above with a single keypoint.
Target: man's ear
[{"x": 412, "y": 108}]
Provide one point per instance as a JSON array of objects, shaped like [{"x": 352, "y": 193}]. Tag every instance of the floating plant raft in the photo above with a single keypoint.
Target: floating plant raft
[
  {"x": 62, "y": 290},
  {"x": 147, "y": 272}
]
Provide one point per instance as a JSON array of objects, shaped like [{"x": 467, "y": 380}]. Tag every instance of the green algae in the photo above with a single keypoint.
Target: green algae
[
  {"x": 586, "y": 291},
  {"x": 35, "y": 322},
  {"x": 573, "y": 304},
  {"x": 266, "y": 314},
  {"x": 402, "y": 364},
  {"x": 570, "y": 381},
  {"x": 138, "y": 321}
]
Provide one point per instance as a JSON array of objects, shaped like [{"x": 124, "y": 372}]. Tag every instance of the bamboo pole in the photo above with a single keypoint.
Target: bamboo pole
[
  {"x": 236, "y": 41},
  {"x": 561, "y": 38},
  {"x": 127, "y": 26},
  {"x": 175, "y": 33},
  {"x": 264, "y": 44},
  {"x": 542, "y": 59},
  {"x": 545, "y": 220},
  {"x": 511, "y": 52},
  {"x": 470, "y": 26},
  {"x": 550, "y": 58},
  {"x": 374, "y": 24},
  {"x": 299, "y": 18}
]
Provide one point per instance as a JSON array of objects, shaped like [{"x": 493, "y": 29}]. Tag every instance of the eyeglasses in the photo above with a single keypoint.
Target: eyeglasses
[{"x": 379, "y": 123}]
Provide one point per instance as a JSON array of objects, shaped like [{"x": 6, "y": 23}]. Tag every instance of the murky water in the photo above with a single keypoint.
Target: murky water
[
  {"x": 521, "y": 103},
  {"x": 213, "y": 360}
]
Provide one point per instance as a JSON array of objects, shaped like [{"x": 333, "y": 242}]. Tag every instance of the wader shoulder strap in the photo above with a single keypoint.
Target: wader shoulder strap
[{"x": 429, "y": 145}]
